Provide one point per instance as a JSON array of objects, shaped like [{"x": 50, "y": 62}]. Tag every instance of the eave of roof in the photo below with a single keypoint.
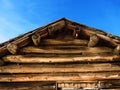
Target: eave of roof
[{"x": 89, "y": 28}]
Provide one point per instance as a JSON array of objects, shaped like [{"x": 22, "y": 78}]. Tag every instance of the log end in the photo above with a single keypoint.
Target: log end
[
  {"x": 12, "y": 48},
  {"x": 36, "y": 39},
  {"x": 117, "y": 50},
  {"x": 94, "y": 39}
]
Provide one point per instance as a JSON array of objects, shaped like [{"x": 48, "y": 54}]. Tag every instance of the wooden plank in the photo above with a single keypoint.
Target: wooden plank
[
  {"x": 60, "y": 77},
  {"x": 58, "y": 68},
  {"x": 25, "y": 59},
  {"x": 65, "y": 50},
  {"x": 64, "y": 42}
]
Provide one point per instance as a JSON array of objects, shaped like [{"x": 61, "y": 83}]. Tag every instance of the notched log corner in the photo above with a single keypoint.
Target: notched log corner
[
  {"x": 36, "y": 39},
  {"x": 12, "y": 48}
]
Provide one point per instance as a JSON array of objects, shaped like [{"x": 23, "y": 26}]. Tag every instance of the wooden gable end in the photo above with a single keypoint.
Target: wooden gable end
[{"x": 61, "y": 56}]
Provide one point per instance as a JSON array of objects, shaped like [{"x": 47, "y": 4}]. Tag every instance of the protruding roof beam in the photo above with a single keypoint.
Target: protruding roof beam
[
  {"x": 36, "y": 39},
  {"x": 94, "y": 39},
  {"x": 88, "y": 33},
  {"x": 12, "y": 48}
]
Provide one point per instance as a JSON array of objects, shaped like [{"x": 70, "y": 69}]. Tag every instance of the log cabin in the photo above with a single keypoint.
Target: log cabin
[{"x": 63, "y": 55}]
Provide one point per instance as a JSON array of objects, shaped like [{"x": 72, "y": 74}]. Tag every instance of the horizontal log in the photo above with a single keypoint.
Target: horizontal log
[
  {"x": 25, "y": 59},
  {"x": 111, "y": 85},
  {"x": 91, "y": 85},
  {"x": 73, "y": 47},
  {"x": 60, "y": 77},
  {"x": 27, "y": 86},
  {"x": 58, "y": 68},
  {"x": 65, "y": 49},
  {"x": 64, "y": 42}
]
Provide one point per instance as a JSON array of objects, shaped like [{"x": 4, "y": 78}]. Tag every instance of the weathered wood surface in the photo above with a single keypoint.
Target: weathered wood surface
[
  {"x": 65, "y": 49},
  {"x": 62, "y": 60},
  {"x": 19, "y": 43},
  {"x": 26, "y": 59},
  {"x": 12, "y": 48},
  {"x": 117, "y": 50},
  {"x": 28, "y": 86},
  {"x": 102, "y": 37},
  {"x": 56, "y": 26},
  {"x": 88, "y": 32},
  {"x": 64, "y": 42},
  {"x": 73, "y": 47},
  {"x": 94, "y": 39},
  {"x": 58, "y": 68},
  {"x": 36, "y": 39},
  {"x": 91, "y": 85},
  {"x": 1, "y": 62},
  {"x": 60, "y": 77},
  {"x": 25, "y": 39},
  {"x": 3, "y": 51}
]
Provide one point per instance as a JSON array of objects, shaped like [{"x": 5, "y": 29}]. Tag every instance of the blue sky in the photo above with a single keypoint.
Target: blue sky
[{"x": 20, "y": 16}]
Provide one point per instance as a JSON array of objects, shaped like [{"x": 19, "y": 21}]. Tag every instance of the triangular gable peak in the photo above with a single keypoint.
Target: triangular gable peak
[{"x": 62, "y": 29}]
